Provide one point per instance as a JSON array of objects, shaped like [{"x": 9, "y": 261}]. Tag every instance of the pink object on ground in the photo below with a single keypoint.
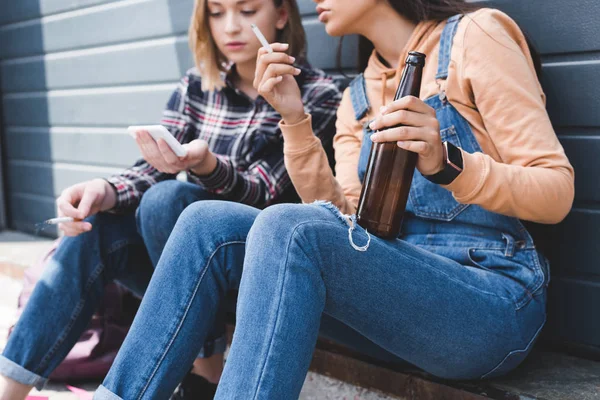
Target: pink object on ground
[
  {"x": 83, "y": 395},
  {"x": 94, "y": 352}
]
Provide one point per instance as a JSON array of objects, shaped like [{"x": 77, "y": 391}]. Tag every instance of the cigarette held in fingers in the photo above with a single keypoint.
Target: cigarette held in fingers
[
  {"x": 261, "y": 38},
  {"x": 54, "y": 221},
  {"x": 60, "y": 220}
]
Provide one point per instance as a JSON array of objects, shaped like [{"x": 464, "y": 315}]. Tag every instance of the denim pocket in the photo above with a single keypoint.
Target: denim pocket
[
  {"x": 522, "y": 270},
  {"x": 430, "y": 200}
]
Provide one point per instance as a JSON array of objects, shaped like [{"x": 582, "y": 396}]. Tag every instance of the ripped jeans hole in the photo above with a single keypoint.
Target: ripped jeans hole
[{"x": 349, "y": 220}]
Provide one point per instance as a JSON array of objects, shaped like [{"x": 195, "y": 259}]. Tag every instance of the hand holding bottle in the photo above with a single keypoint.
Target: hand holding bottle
[{"x": 419, "y": 133}]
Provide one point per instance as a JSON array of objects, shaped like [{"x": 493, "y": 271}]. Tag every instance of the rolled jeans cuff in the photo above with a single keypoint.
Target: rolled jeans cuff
[
  {"x": 14, "y": 371},
  {"x": 103, "y": 393}
]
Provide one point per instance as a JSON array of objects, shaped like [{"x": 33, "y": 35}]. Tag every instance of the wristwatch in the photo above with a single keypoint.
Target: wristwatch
[{"x": 453, "y": 165}]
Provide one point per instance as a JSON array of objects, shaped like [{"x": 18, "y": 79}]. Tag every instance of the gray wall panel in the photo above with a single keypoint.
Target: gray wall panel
[
  {"x": 95, "y": 146},
  {"x": 307, "y": 7},
  {"x": 583, "y": 153},
  {"x": 136, "y": 63},
  {"x": 14, "y": 11},
  {"x": 27, "y": 210},
  {"x": 47, "y": 179},
  {"x": 134, "y": 105},
  {"x": 117, "y": 22},
  {"x": 322, "y": 48},
  {"x": 575, "y": 250},
  {"x": 557, "y": 26},
  {"x": 572, "y": 101},
  {"x": 574, "y": 304}
]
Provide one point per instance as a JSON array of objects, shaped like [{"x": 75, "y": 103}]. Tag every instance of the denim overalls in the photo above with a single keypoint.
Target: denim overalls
[{"x": 435, "y": 221}]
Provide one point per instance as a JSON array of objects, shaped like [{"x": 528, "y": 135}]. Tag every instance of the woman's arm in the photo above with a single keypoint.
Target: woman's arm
[
  {"x": 308, "y": 167},
  {"x": 534, "y": 180}
]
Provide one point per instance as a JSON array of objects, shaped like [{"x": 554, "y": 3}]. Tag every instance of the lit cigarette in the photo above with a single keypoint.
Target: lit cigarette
[
  {"x": 59, "y": 220},
  {"x": 261, "y": 38}
]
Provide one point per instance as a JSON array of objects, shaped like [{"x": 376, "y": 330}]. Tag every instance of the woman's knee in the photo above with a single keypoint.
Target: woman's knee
[
  {"x": 280, "y": 221},
  {"x": 217, "y": 219},
  {"x": 162, "y": 204},
  {"x": 166, "y": 194}
]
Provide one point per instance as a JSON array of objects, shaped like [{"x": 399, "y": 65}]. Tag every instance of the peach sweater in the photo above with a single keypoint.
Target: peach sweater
[{"x": 523, "y": 170}]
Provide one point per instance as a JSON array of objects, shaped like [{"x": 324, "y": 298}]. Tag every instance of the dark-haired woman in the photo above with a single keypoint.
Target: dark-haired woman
[{"x": 461, "y": 293}]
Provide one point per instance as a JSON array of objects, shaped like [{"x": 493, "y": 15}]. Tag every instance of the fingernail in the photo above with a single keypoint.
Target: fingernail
[
  {"x": 374, "y": 137},
  {"x": 382, "y": 109},
  {"x": 286, "y": 45},
  {"x": 400, "y": 143},
  {"x": 292, "y": 59},
  {"x": 297, "y": 71},
  {"x": 372, "y": 125}
]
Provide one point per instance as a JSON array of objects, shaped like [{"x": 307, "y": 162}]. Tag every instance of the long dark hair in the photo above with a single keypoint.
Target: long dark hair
[{"x": 427, "y": 10}]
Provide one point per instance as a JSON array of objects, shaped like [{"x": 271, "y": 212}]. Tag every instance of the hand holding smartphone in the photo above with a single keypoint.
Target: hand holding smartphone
[{"x": 160, "y": 132}]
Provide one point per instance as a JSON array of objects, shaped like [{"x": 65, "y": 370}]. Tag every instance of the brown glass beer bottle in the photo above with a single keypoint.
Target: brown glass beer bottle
[{"x": 390, "y": 169}]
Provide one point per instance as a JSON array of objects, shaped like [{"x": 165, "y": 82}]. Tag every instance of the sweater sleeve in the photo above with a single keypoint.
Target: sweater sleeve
[
  {"x": 308, "y": 166},
  {"x": 534, "y": 180}
]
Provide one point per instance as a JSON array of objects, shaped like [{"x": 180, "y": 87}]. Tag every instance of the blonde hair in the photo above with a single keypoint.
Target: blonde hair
[{"x": 212, "y": 64}]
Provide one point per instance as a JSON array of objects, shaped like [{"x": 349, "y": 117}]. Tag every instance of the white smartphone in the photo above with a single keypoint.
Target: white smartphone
[{"x": 160, "y": 132}]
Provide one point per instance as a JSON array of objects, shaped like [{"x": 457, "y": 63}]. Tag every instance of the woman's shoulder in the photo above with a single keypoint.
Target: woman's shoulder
[
  {"x": 192, "y": 81},
  {"x": 488, "y": 28}
]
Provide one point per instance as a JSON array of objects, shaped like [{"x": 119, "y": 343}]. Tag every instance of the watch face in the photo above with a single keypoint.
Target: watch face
[{"x": 454, "y": 156}]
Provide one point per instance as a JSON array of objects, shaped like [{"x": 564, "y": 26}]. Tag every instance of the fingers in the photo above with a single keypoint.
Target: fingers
[
  {"x": 267, "y": 59},
  {"x": 75, "y": 228},
  {"x": 400, "y": 133},
  {"x": 400, "y": 117},
  {"x": 269, "y": 85},
  {"x": 273, "y": 75},
  {"x": 408, "y": 103},
  {"x": 405, "y": 111},
  {"x": 422, "y": 148},
  {"x": 65, "y": 203},
  {"x": 277, "y": 48},
  {"x": 173, "y": 163},
  {"x": 150, "y": 151},
  {"x": 90, "y": 197},
  {"x": 197, "y": 151}
]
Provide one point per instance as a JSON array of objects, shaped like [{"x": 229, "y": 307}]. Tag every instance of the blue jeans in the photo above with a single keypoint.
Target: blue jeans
[
  {"x": 201, "y": 262},
  {"x": 432, "y": 301},
  {"x": 72, "y": 284},
  {"x": 455, "y": 320}
]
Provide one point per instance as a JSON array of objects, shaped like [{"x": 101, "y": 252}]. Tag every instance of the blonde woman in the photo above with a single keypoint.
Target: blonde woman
[{"x": 235, "y": 153}]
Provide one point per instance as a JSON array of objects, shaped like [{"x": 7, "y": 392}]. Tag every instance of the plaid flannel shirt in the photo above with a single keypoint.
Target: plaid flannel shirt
[{"x": 242, "y": 133}]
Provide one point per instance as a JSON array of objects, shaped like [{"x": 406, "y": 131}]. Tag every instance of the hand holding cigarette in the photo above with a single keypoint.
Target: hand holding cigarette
[
  {"x": 274, "y": 79},
  {"x": 81, "y": 201}
]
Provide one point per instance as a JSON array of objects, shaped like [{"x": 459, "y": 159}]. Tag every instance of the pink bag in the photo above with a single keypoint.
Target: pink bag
[{"x": 94, "y": 353}]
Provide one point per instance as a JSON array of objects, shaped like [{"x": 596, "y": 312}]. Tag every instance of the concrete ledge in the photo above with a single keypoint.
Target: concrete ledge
[{"x": 543, "y": 376}]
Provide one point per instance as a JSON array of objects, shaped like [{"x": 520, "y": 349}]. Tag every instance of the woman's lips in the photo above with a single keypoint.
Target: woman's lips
[
  {"x": 235, "y": 45},
  {"x": 323, "y": 14}
]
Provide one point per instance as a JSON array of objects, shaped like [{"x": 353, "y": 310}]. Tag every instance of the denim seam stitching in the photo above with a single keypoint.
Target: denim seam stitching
[
  {"x": 190, "y": 300},
  {"x": 115, "y": 247},
  {"x": 97, "y": 271},
  {"x": 421, "y": 263},
  {"x": 456, "y": 280},
  {"x": 262, "y": 372},
  {"x": 529, "y": 344}
]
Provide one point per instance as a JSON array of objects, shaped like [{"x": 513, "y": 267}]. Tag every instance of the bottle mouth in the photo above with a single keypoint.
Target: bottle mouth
[{"x": 416, "y": 58}]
